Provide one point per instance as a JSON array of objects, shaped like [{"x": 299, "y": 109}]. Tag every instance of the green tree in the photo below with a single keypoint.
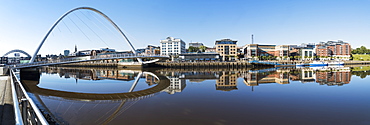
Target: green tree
[
  {"x": 202, "y": 48},
  {"x": 193, "y": 49},
  {"x": 361, "y": 50}
]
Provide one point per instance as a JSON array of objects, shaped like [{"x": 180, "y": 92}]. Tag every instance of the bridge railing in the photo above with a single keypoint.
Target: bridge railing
[
  {"x": 98, "y": 57},
  {"x": 26, "y": 111}
]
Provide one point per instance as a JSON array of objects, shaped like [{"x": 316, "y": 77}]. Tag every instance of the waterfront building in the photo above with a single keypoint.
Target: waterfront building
[
  {"x": 140, "y": 51},
  {"x": 253, "y": 51},
  {"x": 199, "y": 56},
  {"x": 3, "y": 60},
  {"x": 210, "y": 50},
  {"x": 282, "y": 51},
  {"x": 172, "y": 46},
  {"x": 227, "y": 49},
  {"x": 152, "y": 50},
  {"x": 334, "y": 49},
  {"x": 303, "y": 51},
  {"x": 197, "y": 44}
]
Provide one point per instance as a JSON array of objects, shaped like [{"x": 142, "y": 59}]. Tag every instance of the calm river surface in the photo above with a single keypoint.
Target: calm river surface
[{"x": 297, "y": 96}]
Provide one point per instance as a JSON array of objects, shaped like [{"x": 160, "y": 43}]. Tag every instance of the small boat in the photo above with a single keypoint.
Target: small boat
[
  {"x": 318, "y": 63},
  {"x": 302, "y": 64},
  {"x": 336, "y": 63}
]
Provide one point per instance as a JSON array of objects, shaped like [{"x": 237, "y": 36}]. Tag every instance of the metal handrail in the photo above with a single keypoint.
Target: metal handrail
[
  {"x": 17, "y": 112},
  {"x": 24, "y": 105},
  {"x": 98, "y": 57}
]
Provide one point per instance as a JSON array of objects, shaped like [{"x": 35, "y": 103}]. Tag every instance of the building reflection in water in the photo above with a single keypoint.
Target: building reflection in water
[
  {"x": 177, "y": 84},
  {"x": 64, "y": 107},
  {"x": 227, "y": 81},
  {"x": 334, "y": 77},
  {"x": 274, "y": 76}
]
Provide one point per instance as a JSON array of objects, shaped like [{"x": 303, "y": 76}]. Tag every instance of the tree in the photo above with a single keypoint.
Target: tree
[
  {"x": 193, "y": 49},
  {"x": 202, "y": 48},
  {"x": 361, "y": 50}
]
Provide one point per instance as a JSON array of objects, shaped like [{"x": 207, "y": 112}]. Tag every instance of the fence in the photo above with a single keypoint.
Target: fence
[{"x": 26, "y": 111}]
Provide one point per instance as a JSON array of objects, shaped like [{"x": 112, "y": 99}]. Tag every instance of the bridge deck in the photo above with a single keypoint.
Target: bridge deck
[{"x": 89, "y": 58}]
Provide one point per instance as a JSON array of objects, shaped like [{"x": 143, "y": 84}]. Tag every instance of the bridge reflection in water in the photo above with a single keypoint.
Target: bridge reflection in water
[{"x": 63, "y": 105}]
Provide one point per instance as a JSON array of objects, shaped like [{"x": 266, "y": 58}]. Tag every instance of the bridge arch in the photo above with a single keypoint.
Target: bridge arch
[
  {"x": 17, "y": 50},
  {"x": 81, "y": 8}
]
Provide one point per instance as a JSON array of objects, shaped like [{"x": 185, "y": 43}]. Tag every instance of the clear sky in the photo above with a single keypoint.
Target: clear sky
[{"x": 23, "y": 24}]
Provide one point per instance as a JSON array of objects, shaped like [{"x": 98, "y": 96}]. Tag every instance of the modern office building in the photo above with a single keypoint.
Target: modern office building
[
  {"x": 258, "y": 50},
  {"x": 227, "y": 49},
  {"x": 172, "y": 46},
  {"x": 66, "y": 52},
  {"x": 302, "y": 52}
]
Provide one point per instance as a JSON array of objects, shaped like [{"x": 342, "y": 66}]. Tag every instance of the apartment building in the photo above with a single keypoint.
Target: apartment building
[{"x": 335, "y": 49}]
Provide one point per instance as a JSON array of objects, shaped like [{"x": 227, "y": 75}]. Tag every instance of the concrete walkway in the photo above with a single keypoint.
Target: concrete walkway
[{"x": 6, "y": 102}]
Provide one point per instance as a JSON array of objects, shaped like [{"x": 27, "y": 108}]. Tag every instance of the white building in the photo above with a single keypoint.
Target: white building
[{"x": 172, "y": 46}]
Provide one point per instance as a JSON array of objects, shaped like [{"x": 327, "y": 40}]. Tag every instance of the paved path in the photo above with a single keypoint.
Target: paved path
[{"x": 6, "y": 102}]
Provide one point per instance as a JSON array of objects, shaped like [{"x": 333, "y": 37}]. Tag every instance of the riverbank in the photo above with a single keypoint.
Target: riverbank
[
  {"x": 220, "y": 65},
  {"x": 238, "y": 65}
]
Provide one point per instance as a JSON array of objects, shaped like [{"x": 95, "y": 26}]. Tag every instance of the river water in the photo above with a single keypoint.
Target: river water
[{"x": 286, "y": 96}]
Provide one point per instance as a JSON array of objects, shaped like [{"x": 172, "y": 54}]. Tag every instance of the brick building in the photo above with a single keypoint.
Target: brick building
[{"x": 335, "y": 49}]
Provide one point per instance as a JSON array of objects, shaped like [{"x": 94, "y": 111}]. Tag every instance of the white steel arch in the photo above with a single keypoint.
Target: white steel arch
[{"x": 86, "y": 8}]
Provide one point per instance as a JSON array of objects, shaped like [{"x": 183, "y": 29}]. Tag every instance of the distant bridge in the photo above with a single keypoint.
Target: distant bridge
[{"x": 17, "y": 50}]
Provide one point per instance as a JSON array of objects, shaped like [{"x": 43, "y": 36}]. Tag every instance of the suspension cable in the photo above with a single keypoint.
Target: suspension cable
[
  {"x": 104, "y": 24},
  {"x": 80, "y": 29},
  {"x": 91, "y": 29},
  {"x": 93, "y": 21}
]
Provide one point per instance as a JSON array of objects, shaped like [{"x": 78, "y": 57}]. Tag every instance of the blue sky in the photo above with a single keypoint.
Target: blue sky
[{"x": 23, "y": 24}]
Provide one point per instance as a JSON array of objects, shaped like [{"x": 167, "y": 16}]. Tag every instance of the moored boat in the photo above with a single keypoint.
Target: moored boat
[
  {"x": 318, "y": 63},
  {"x": 336, "y": 63},
  {"x": 302, "y": 64}
]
